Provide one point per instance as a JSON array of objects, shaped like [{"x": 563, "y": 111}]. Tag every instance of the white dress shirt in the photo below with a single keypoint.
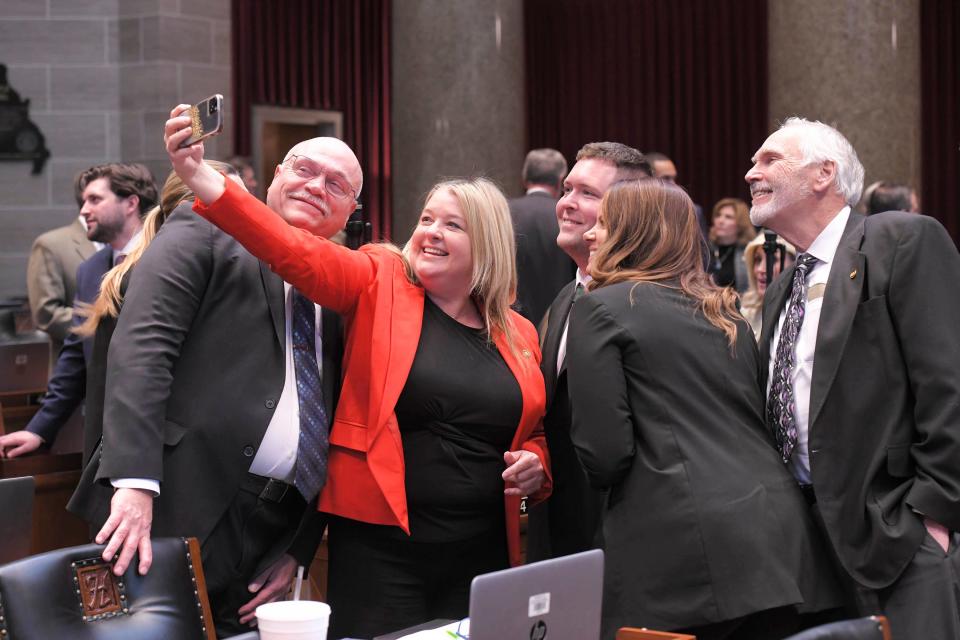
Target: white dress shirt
[
  {"x": 583, "y": 280},
  {"x": 277, "y": 455},
  {"x": 823, "y": 248}
]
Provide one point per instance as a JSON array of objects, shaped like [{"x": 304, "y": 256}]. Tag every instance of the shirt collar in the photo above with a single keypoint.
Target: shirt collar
[
  {"x": 824, "y": 246},
  {"x": 583, "y": 278},
  {"x": 131, "y": 244}
]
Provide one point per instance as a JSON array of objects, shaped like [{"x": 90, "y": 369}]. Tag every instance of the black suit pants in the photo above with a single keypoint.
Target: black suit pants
[
  {"x": 242, "y": 543},
  {"x": 380, "y": 581}
]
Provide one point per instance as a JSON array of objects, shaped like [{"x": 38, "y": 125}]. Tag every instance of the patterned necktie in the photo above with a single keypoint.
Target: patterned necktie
[
  {"x": 781, "y": 404},
  {"x": 311, "y": 473}
]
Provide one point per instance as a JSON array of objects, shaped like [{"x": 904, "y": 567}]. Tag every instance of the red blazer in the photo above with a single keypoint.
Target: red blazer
[{"x": 383, "y": 312}]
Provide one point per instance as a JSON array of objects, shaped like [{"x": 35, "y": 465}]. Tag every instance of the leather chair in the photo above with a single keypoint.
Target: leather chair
[
  {"x": 72, "y": 593},
  {"x": 872, "y": 628},
  {"x": 629, "y": 633}
]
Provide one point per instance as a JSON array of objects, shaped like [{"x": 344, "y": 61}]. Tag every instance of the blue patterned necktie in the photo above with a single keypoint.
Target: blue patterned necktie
[
  {"x": 311, "y": 473},
  {"x": 781, "y": 404}
]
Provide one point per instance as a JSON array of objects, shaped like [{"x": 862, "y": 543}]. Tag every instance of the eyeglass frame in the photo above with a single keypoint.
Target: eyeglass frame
[{"x": 290, "y": 160}]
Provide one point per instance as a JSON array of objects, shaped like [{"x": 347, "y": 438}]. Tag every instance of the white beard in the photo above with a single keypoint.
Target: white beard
[{"x": 783, "y": 197}]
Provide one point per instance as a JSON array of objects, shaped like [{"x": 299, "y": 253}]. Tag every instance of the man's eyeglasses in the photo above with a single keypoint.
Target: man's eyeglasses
[{"x": 306, "y": 169}]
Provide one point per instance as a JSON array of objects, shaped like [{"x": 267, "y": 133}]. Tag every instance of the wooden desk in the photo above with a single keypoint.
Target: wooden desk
[{"x": 56, "y": 477}]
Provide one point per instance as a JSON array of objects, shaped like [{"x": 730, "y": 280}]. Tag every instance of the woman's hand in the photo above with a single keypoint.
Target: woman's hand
[
  {"x": 205, "y": 182},
  {"x": 524, "y": 474}
]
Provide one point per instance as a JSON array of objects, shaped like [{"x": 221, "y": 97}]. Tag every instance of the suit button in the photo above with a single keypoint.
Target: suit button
[
  {"x": 270, "y": 404},
  {"x": 248, "y": 451}
]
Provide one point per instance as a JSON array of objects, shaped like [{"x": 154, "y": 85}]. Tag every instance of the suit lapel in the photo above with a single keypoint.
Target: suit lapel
[
  {"x": 774, "y": 300},
  {"x": 273, "y": 288},
  {"x": 840, "y": 302},
  {"x": 555, "y": 322},
  {"x": 84, "y": 248}
]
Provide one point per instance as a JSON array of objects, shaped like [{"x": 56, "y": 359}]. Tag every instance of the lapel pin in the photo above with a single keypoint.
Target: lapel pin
[
  {"x": 853, "y": 274},
  {"x": 526, "y": 353}
]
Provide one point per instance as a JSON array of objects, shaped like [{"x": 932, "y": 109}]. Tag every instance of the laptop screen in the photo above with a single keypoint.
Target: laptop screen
[{"x": 556, "y": 599}]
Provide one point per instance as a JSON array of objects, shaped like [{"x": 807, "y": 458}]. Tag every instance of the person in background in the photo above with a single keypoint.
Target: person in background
[
  {"x": 665, "y": 169},
  {"x": 115, "y": 198},
  {"x": 426, "y": 467},
  {"x": 52, "y": 275},
  {"x": 730, "y": 231},
  {"x": 888, "y": 196},
  {"x": 704, "y": 530},
  {"x": 542, "y": 267},
  {"x": 755, "y": 258},
  {"x": 243, "y": 166}
]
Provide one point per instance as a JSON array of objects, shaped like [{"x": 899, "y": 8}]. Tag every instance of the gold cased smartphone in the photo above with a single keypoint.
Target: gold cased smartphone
[{"x": 206, "y": 119}]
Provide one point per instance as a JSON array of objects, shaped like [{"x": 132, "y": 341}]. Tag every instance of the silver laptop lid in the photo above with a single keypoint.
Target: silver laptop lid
[
  {"x": 16, "y": 505},
  {"x": 556, "y": 599}
]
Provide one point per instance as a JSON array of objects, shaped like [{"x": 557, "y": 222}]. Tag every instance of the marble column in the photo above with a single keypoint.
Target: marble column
[
  {"x": 853, "y": 64},
  {"x": 459, "y": 102}
]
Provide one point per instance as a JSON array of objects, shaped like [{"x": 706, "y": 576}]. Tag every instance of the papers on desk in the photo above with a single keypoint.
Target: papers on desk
[{"x": 452, "y": 631}]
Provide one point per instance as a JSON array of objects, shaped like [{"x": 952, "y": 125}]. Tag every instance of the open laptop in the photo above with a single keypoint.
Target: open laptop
[
  {"x": 16, "y": 523},
  {"x": 556, "y": 599}
]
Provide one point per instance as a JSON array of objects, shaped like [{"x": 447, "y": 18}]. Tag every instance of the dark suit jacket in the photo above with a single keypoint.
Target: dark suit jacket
[
  {"x": 195, "y": 369},
  {"x": 884, "y": 437},
  {"x": 67, "y": 386},
  {"x": 569, "y": 521},
  {"x": 703, "y": 522},
  {"x": 542, "y": 267}
]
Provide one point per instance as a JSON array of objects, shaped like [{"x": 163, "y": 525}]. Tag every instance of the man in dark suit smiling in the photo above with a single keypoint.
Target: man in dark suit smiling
[{"x": 860, "y": 356}]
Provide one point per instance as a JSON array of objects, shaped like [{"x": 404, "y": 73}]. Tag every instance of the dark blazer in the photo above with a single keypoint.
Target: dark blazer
[
  {"x": 67, "y": 386},
  {"x": 195, "y": 369},
  {"x": 884, "y": 436},
  {"x": 542, "y": 267},
  {"x": 703, "y": 523},
  {"x": 569, "y": 521}
]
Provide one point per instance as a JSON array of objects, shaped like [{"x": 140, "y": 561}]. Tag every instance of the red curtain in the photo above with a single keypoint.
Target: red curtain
[
  {"x": 321, "y": 54},
  {"x": 940, "y": 111},
  {"x": 687, "y": 78}
]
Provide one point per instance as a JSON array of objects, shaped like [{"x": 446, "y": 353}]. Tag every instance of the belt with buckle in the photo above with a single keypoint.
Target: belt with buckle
[
  {"x": 808, "y": 494},
  {"x": 268, "y": 489}
]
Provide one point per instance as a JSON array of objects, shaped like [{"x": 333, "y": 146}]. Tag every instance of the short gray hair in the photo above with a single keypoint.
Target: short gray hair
[{"x": 819, "y": 142}]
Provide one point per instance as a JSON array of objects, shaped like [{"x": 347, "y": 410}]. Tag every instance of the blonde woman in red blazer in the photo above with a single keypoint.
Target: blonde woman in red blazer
[{"x": 457, "y": 272}]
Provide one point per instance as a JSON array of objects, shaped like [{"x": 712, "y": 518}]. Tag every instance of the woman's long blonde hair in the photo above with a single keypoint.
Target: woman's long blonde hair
[
  {"x": 108, "y": 301},
  {"x": 653, "y": 236},
  {"x": 492, "y": 246}
]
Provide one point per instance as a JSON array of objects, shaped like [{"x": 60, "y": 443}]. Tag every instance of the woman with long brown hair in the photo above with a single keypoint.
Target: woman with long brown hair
[{"x": 704, "y": 528}]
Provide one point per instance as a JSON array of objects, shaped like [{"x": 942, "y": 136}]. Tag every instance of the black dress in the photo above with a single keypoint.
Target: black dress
[{"x": 458, "y": 413}]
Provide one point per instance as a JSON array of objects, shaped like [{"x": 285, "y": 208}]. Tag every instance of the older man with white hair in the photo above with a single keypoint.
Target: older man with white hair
[{"x": 863, "y": 387}]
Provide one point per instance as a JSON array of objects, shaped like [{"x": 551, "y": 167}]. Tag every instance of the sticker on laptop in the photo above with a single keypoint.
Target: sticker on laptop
[{"x": 539, "y": 605}]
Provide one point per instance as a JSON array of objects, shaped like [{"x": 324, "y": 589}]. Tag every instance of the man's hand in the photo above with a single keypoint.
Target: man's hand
[
  {"x": 938, "y": 532},
  {"x": 19, "y": 443},
  {"x": 270, "y": 585},
  {"x": 524, "y": 472},
  {"x": 131, "y": 513}
]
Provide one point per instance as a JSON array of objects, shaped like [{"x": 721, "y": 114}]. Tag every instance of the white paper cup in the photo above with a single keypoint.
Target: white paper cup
[{"x": 293, "y": 620}]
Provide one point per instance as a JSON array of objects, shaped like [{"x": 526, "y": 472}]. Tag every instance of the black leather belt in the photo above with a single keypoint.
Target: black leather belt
[
  {"x": 269, "y": 489},
  {"x": 808, "y": 493}
]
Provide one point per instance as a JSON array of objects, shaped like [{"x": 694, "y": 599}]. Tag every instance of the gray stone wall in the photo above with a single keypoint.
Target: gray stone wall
[
  {"x": 102, "y": 76},
  {"x": 854, "y": 64},
  {"x": 459, "y": 99}
]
